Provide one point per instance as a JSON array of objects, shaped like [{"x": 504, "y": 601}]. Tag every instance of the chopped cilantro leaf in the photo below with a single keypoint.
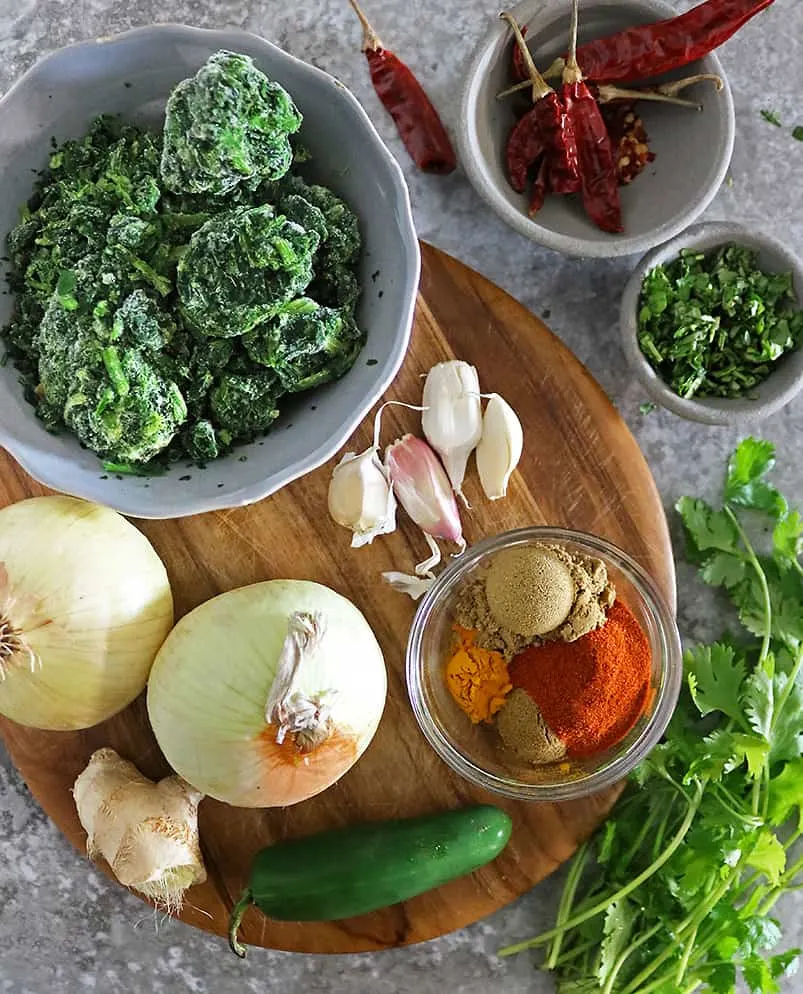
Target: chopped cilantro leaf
[{"x": 715, "y": 324}]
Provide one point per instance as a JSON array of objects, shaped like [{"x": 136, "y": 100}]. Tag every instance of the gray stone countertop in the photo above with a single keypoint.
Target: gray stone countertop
[{"x": 63, "y": 926}]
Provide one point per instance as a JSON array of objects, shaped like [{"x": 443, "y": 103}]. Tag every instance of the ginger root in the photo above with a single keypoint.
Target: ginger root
[{"x": 147, "y": 832}]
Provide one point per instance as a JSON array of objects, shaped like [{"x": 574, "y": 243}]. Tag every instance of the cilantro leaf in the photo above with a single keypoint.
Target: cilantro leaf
[
  {"x": 760, "y": 934},
  {"x": 707, "y": 528},
  {"x": 787, "y": 536},
  {"x": 723, "y": 569},
  {"x": 618, "y": 925},
  {"x": 759, "y": 698},
  {"x": 785, "y": 964},
  {"x": 723, "y": 752},
  {"x": 745, "y": 485},
  {"x": 768, "y": 855},
  {"x": 797, "y": 132},
  {"x": 772, "y": 117},
  {"x": 786, "y": 794},
  {"x": 787, "y": 732},
  {"x": 715, "y": 676},
  {"x": 758, "y": 976},
  {"x": 720, "y": 978}
]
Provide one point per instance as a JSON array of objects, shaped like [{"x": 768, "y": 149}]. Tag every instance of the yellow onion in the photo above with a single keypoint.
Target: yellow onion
[
  {"x": 85, "y": 604},
  {"x": 267, "y": 694}
]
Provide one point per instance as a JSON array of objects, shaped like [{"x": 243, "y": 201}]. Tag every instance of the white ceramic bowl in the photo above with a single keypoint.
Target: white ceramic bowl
[
  {"x": 132, "y": 74},
  {"x": 693, "y": 150},
  {"x": 779, "y": 387}
]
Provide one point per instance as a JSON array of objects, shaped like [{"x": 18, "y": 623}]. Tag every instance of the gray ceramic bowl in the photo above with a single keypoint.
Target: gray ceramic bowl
[
  {"x": 132, "y": 74},
  {"x": 777, "y": 390},
  {"x": 693, "y": 150}
]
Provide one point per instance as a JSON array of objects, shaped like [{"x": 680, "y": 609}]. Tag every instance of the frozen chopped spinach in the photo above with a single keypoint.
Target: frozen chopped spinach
[
  {"x": 242, "y": 267},
  {"x": 306, "y": 346},
  {"x": 160, "y": 317},
  {"x": 227, "y": 125}
]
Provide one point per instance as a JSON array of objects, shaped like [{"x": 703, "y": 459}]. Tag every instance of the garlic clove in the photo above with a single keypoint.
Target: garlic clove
[
  {"x": 452, "y": 417},
  {"x": 500, "y": 447},
  {"x": 361, "y": 497},
  {"x": 422, "y": 488}
]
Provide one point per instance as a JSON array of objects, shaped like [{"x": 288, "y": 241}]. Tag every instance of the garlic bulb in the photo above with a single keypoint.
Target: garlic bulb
[
  {"x": 425, "y": 494},
  {"x": 452, "y": 417},
  {"x": 147, "y": 832},
  {"x": 500, "y": 447},
  {"x": 361, "y": 497}
]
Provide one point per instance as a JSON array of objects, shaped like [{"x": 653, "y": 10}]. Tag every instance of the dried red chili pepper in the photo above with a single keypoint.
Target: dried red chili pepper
[
  {"x": 541, "y": 187},
  {"x": 543, "y": 131},
  {"x": 648, "y": 50},
  {"x": 417, "y": 121},
  {"x": 598, "y": 177}
]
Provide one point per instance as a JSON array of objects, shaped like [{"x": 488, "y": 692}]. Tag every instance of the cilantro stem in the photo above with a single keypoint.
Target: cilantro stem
[
  {"x": 762, "y": 579},
  {"x": 634, "y": 884},
  {"x": 576, "y": 952},
  {"x": 683, "y": 966},
  {"x": 625, "y": 955},
  {"x": 691, "y": 922},
  {"x": 566, "y": 902}
]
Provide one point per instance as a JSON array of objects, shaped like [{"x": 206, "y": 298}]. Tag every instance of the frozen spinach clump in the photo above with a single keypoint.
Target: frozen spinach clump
[
  {"x": 241, "y": 268},
  {"x": 306, "y": 346},
  {"x": 227, "y": 125},
  {"x": 160, "y": 318}
]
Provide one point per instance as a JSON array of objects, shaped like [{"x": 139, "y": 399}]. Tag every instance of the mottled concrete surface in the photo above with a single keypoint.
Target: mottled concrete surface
[{"x": 63, "y": 927}]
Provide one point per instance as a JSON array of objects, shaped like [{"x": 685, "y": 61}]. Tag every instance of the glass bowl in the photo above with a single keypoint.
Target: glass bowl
[{"x": 475, "y": 751}]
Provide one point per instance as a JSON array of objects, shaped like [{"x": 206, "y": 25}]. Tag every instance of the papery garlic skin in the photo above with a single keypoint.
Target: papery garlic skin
[
  {"x": 405, "y": 583},
  {"x": 452, "y": 417},
  {"x": 361, "y": 497},
  {"x": 423, "y": 490},
  {"x": 500, "y": 447}
]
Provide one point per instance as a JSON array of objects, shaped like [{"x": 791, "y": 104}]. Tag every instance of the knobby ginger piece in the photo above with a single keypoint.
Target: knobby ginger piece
[{"x": 147, "y": 832}]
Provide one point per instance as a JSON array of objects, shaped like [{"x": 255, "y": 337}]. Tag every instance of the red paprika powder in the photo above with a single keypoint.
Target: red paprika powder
[{"x": 590, "y": 692}]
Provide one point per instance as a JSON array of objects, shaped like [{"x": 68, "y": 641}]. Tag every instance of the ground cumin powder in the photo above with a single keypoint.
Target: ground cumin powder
[
  {"x": 527, "y": 588},
  {"x": 525, "y": 732}
]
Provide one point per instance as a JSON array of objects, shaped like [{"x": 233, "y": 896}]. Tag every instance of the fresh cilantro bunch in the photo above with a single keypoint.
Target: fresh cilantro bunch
[
  {"x": 674, "y": 895},
  {"x": 715, "y": 325}
]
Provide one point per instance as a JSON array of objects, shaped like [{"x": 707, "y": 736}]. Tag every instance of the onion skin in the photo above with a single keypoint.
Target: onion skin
[
  {"x": 90, "y": 604},
  {"x": 212, "y": 679}
]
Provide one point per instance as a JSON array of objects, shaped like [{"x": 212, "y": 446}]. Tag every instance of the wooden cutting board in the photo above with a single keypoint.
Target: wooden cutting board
[{"x": 581, "y": 468}]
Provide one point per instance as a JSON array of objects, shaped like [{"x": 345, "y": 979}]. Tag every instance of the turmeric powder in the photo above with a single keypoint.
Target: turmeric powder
[{"x": 477, "y": 678}]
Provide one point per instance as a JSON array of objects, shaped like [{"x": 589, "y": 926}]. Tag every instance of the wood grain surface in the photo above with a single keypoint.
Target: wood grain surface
[{"x": 581, "y": 468}]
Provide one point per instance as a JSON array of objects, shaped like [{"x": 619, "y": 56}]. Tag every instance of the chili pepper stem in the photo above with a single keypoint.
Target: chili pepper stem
[
  {"x": 371, "y": 42},
  {"x": 608, "y": 94},
  {"x": 672, "y": 89},
  {"x": 237, "y": 913},
  {"x": 539, "y": 85},
  {"x": 571, "y": 71}
]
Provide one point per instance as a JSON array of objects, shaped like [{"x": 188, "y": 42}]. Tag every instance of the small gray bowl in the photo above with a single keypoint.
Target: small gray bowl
[
  {"x": 132, "y": 74},
  {"x": 693, "y": 150},
  {"x": 781, "y": 385}
]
